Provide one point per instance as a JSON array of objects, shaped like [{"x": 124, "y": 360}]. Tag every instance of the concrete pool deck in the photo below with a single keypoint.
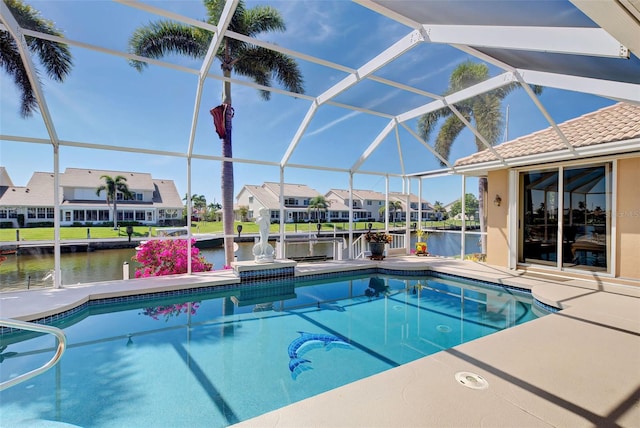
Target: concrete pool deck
[{"x": 575, "y": 368}]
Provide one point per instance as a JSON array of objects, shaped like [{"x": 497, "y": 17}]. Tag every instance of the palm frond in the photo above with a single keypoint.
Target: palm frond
[
  {"x": 160, "y": 38},
  {"x": 467, "y": 74},
  {"x": 55, "y": 57},
  {"x": 447, "y": 135},
  {"x": 488, "y": 118},
  {"x": 263, "y": 66},
  {"x": 260, "y": 19},
  {"x": 11, "y": 62},
  {"x": 427, "y": 122}
]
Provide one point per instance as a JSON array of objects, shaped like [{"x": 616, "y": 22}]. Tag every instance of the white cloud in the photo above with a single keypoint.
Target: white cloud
[{"x": 333, "y": 123}]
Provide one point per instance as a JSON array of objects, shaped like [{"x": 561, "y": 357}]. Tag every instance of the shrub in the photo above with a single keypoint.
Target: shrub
[
  {"x": 6, "y": 225},
  {"x": 41, "y": 224},
  {"x": 168, "y": 257}
]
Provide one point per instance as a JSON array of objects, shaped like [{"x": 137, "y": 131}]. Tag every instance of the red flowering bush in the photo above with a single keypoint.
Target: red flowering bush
[{"x": 168, "y": 257}]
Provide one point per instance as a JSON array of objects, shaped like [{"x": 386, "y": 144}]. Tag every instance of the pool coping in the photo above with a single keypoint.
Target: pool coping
[{"x": 575, "y": 367}]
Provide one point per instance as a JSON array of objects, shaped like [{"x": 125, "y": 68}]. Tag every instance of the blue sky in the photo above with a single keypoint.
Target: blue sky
[{"x": 106, "y": 102}]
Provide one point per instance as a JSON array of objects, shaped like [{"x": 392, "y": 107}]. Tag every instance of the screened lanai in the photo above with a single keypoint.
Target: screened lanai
[{"x": 371, "y": 70}]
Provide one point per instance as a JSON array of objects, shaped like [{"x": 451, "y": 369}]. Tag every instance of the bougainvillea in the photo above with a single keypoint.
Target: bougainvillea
[{"x": 168, "y": 257}]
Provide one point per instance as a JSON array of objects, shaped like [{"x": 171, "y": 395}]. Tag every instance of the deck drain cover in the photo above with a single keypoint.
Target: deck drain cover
[
  {"x": 472, "y": 380},
  {"x": 443, "y": 328}
]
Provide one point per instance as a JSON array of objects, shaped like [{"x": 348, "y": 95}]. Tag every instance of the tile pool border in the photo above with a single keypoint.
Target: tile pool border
[{"x": 49, "y": 319}]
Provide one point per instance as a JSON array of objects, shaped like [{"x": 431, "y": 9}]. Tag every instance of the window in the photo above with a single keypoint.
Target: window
[
  {"x": 171, "y": 213},
  {"x": 50, "y": 212},
  {"x": 78, "y": 215},
  {"x": 31, "y": 213},
  {"x": 67, "y": 216},
  {"x": 103, "y": 215},
  {"x": 369, "y": 202},
  {"x": 140, "y": 215},
  {"x": 250, "y": 199},
  {"x": 13, "y": 213},
  {"x": 92, "y": 215},
  {"x": 3, "y": 213},
  {"x": 139, "y": 196}
]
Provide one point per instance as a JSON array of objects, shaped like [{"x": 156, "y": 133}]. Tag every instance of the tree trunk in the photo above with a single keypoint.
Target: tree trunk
[
  {"x": 226, "y": 182},
  {"x": 115, "y": 214},
  {"x": 227, "y": 189},
  {"x": 482, "y": 191}
]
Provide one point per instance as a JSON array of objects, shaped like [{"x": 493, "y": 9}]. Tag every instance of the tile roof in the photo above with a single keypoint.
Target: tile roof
[
  {"x": 615, "y": 123},
  {"x": 166, "y": 194},
  {"x": 292, "y": 190},
  {"x": 76, "y": 177},
  {"x": 361, "y": 194},
  {"x": 5, "y": 180},
  {"x": 263, "y": 196},
  {"x": 37, "y": 193}
]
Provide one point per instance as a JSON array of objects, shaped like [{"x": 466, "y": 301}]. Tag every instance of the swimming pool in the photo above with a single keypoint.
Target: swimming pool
[{"x": 220, "y": 357}]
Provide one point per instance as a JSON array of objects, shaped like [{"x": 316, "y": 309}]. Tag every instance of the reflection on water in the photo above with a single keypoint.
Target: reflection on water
[{"x": 35, "y": 270}]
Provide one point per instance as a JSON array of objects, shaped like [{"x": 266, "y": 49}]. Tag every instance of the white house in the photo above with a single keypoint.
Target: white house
[
  {"x": 267, "y": 195},
  {"x": 426, "y": 209},
  {"x": 155, "y": 201},
  {"x": 366, "y": 205}
]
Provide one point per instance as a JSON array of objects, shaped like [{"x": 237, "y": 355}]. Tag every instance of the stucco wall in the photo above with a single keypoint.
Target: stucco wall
[
  {"x": 497, "y": 221},
  {"x": 628, "y": 219}
]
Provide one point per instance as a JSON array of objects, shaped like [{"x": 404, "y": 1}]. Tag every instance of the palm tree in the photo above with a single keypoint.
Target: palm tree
[
  {"x": 318, "y": 203},
  {"x": 394, "y": 207},
  {"x": 259, "y": 64},
  {"x": 483, "y": 111},
  {"x": 111, "y": 187},
  {"x": 213, "y": 207},
  {"x": 438, "y": 208},
  {"x": 198, "y": 203},
  {"x": 54, "y": 57}
]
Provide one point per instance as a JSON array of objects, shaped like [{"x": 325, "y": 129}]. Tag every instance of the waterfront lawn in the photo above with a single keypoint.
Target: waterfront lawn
[
  {"x": 248, "y": 227},
  {"x": 73, "y": 233}
]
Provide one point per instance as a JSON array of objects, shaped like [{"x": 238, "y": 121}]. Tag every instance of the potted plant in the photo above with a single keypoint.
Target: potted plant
[
  {"x": 421, "y": 245},
  {"x": 376, "y": 242}
]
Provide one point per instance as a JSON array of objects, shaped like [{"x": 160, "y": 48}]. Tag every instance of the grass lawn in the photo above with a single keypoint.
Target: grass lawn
[{"x": 69, "y": 233}]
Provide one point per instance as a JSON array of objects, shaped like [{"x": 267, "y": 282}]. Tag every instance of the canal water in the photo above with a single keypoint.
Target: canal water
[{"x": 35, "y": 271}]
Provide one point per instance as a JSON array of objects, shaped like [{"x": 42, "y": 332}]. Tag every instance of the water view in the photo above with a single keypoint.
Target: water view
[{"x": 33, "y": 271}]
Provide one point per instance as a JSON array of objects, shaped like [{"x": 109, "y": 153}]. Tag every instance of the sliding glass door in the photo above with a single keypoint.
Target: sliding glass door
[
  {"x": 585, "y": 220},
  {"x": 539, "y": 225},
  {"x": 580, "y": 237}
]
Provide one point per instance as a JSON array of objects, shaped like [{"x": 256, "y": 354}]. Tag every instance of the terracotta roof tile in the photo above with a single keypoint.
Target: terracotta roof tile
[{"x": 618, "y": 122}]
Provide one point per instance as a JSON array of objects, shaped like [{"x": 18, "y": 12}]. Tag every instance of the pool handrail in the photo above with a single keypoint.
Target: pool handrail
[{"x": 24, "y": 325}]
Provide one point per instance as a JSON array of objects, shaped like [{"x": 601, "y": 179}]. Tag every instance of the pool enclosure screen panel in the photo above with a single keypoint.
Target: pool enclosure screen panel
[{"x": 584, "y": 226}]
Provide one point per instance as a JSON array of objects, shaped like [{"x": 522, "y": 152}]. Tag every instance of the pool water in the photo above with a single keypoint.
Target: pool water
[{"x": 226, "y": 356}]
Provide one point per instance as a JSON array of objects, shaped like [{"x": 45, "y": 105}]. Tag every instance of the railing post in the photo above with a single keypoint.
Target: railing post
[{"x": 125, "y": 270}]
